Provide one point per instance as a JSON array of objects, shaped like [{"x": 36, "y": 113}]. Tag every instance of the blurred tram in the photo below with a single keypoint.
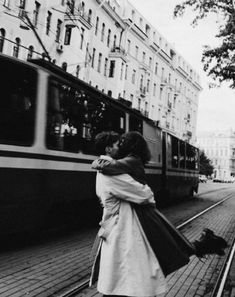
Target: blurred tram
[{"x": 48, "y": 122}]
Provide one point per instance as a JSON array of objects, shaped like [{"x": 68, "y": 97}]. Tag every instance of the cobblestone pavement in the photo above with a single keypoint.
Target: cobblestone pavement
[
  {"x": 47, "y": 266},
  {"x": 197, "y": 279}
]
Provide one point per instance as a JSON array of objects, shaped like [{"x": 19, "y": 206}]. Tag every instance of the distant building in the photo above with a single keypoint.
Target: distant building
[
  {"x": 219, "y": 147},
  {"x": 110, "y": 45}
]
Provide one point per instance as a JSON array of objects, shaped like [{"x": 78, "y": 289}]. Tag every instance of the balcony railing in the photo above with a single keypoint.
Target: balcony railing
[
  {"x": 163, "y": 82},
  {"x": 71, "y": 19},
  {"x": 169, "y": 106},
  {"x": 118, "y": 52},
  {"x": 118, "y": 49}
]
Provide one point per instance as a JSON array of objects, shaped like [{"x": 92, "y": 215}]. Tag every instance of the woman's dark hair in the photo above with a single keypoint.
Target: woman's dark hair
[
  {"x": 104, "y": 139},
  {"x": 133, "y": 143}
]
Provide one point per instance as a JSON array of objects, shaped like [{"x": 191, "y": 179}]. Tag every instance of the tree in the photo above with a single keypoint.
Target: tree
[
  {"x": 219, "y": 62},
  {"x": 205, "y": 166}
]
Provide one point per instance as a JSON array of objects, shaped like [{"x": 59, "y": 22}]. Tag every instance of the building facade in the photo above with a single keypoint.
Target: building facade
[
  {"x": 219, "y": 147},
  {"x": 110, "y": 45}
]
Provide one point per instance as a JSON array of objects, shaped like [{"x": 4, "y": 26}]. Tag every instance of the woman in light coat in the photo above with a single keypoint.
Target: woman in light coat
[{"x": 127, "y": 263}]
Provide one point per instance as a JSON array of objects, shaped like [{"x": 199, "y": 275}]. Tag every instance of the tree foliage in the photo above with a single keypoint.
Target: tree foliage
[
  {"x": 219, "y": 62},
  {"x": 205, "y": 166}
]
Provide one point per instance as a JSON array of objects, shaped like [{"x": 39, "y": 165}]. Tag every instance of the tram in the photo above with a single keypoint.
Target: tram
[{"x": 48, "y": 122}]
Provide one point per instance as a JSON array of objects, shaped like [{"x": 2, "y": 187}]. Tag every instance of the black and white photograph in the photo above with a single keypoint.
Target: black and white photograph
[{"x": 117, "y": 148}]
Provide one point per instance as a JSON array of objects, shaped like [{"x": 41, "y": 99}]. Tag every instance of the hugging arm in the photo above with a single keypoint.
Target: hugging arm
[
  {"x": 124, "y": 187},
  {"x": 115, "y": 167}
]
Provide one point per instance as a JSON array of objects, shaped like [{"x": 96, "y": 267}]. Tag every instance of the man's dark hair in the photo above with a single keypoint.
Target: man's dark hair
[
  {"x": 133, "y": 143},
  {"x": 104, "y": 139}
]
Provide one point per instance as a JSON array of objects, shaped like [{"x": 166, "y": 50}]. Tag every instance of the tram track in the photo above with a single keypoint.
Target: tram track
[
  {"x": 79, "y": 288},
  {"x": 224, "y": 272}
]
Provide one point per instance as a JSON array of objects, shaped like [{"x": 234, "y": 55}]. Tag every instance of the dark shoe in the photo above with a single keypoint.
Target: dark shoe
[{"x": 209, "y": 243}]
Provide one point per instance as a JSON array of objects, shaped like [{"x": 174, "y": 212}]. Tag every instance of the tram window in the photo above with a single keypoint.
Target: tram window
[
  {"x": 182, "y": 154},
  {"x": 17, "y": 104},
  {"x": 190, "y": 157},
  {"x": 135, "y": 124},
  {"x": 76, "y": 116},
  {"x": 153, "y": 137},
  {"x": 196, "y": 159},
  {"x": 169, "y": 150},
  {"x": 175, "y": 152}
]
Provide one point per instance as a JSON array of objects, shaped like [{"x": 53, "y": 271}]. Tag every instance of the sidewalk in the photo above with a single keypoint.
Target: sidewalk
[
  {"x": 197, "y": 279},
  {"x": 49, "y": 266}
]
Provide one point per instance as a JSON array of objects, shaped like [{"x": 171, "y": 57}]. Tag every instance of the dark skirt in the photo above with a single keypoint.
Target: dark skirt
[{"x": 171, "y": 248}]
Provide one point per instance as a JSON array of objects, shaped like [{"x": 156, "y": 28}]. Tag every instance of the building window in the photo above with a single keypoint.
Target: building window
[
  {"x": 82, "y": 38},
  {"x": 78, "y": 68},
  {"x": 112, "y": 68},
  {"x": 156, "y": 68},
  {"x": 128, "y": 46},
  {"x": 93, "y": 58},
  {"x": 139, "y": 104},
  {"x": 121, "y": 71},
  {"x": 154, "y": 36},
  {"x": 180, "y": 87},
  {"x": 108, "y": 38},
  {"x": 143, "y": 57},
  {"x": 150, "y": 62},
  {"x": 58, "y": 30},
  {"x": 64, "y": 66},
  {"x": 146, "y": 108},
  {"x": 169, "y": 78},
  {"x": 133, "y": 76},
  {"x": 147, "y": 29},
  {"x": 16, "y": 48},
  {"x": 70, "y": 5},
  {"x": 154, "y": 90},
  {"x": 6, "y": 3},
  {"x": 36, "y": 13},
  {"x": 133, "y": 15},
  {"x": 67, "y": 36},
  {"x": 22, "y": 8},
  {"x": 99, "y": 62},
  {"x": 97, "y": 26},
  {"x": 148, "y": 85},
  {"x": 162, "y": 76},
  {"x": 141, "y": 82},
  {"x": 102, "y": 32},
  {"x": 88, "y": 56},
  {"x": 176, "y": 83},
  {"x": 82, "y": 8},
  {"x": 136, "y": 52},
  {"x": 89, "y": 16},
  {"x": 114, "y": 41},
  {"x": 2, "y": 39},
  {"x": 48, "y": 24},
  {"x": 126, "y": 72},
  {"x": 161, "y": 90},
  {"x": 131, "y": 98},
  {"x": 30, "y": 52},
  {"x": 105, "y": 66}
]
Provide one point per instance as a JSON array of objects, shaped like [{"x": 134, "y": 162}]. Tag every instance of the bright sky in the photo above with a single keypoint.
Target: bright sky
[{"x": 216, "y": 106}]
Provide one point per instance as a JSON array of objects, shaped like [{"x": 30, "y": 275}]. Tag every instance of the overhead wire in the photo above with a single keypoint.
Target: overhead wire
[
  {"x": 69, "y": 15},
  {"x": 54, "y": 33},
  {"x": 42, "y": 25}
]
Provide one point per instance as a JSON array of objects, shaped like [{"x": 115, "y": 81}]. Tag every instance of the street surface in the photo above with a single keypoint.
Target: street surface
[{"x": 45, "y": 267}]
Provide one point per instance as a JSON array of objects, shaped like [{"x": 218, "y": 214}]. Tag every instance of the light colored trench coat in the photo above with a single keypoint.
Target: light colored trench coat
[{"x": 128, "y": 265}]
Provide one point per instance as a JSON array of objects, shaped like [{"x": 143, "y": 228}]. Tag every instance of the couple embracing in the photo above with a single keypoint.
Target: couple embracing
[{"x": 136, "y": 247}]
